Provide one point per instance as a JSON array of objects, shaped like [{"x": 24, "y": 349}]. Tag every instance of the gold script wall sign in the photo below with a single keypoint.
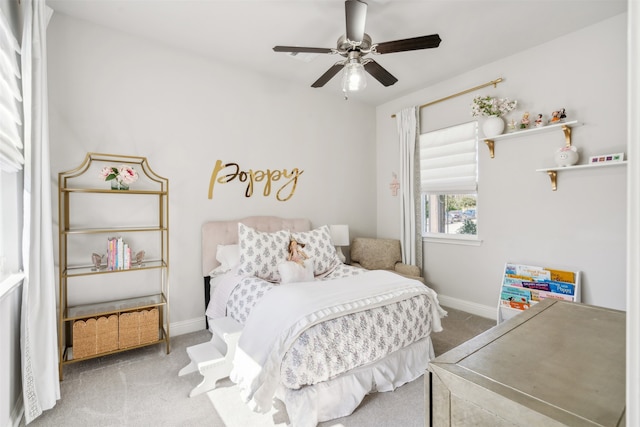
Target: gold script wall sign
[{"x": 224, "y": 173}]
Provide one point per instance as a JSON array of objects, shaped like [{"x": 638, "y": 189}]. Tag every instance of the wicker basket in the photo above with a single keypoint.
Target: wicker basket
[
  {"x": 84, "y": 338},
  {"x": 138, "y": 327},
  {"x": 149, "y": 326},
  {"x": 107, "y": 333},
  {"x": 128, "y": 326}
]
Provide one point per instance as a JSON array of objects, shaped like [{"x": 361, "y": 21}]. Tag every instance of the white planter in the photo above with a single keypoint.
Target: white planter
[{"x": 493, "y": 126}]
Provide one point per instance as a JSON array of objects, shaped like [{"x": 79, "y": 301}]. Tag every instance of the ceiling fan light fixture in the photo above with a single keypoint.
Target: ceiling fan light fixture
[
  {"x": 354, "y": 45},
  {"x": 354, "y": 78}
]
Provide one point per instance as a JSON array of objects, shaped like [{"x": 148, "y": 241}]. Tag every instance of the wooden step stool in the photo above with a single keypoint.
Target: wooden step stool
[{"x": 214, "y": 359}]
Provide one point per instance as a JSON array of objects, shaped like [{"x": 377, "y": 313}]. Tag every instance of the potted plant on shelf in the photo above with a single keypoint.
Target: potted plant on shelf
[{"x": 493, "y": 109}]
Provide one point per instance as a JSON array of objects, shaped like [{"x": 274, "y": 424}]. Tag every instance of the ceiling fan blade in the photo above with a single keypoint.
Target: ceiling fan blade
[
  {"x": 328, "y": 75},
  {"x": 415, "y": 43},
  {"x": 356, "y": 17},
  {"x": 298, "y": 49},
  {"x": 379, "y": 73}
]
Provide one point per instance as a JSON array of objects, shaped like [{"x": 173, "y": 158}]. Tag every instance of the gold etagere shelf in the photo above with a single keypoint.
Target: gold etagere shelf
[{"x": 101, "y": 326}]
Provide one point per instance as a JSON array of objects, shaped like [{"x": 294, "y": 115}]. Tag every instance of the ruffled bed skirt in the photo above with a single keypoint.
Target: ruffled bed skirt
[{"x": 340, "y": 396}]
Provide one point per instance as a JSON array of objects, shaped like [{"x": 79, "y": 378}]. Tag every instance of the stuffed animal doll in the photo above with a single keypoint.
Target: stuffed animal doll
[{"x": 296, "y": 254}]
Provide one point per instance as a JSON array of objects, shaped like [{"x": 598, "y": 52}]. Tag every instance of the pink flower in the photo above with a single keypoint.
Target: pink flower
[
  {"x": 127, "y": 174},
  {"x": 108, "y": 173}
]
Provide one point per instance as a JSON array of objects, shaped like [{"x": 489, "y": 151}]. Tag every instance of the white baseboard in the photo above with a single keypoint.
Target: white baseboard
[
  {"x": 187, "y": 326},
  {"x": 469, "y": 307}
]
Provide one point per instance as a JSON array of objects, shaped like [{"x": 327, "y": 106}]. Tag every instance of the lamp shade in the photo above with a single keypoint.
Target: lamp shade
[
  {"x": 354, "y": 77},
  {"x": 339, "y": 235}
]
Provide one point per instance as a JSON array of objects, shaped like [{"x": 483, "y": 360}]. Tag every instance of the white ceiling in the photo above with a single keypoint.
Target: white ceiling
[{"x": 243, "y": 32}]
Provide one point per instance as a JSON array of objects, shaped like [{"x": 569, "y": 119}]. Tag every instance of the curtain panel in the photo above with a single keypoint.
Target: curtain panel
[
  {"x": 410, "y": 235},
  {"x": 38, "y": 332}
]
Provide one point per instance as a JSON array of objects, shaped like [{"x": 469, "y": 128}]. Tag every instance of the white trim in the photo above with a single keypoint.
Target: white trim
[
  {"x": 488, "y": 312},
  {"x": 9, "y": 283},
  {"x": 633, "y": 210},
  {"x": 187, "y": 326},
  {"x": 452, "y": 239}
]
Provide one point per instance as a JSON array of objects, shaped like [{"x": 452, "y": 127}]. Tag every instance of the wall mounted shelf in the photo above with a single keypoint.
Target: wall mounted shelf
[
  {"x": 553, "y": 172},
  {"x": 564, "y": 127}
]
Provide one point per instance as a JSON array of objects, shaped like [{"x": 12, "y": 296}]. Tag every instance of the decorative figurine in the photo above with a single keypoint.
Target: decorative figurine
[
  {"x": 555, "y": 117},
  {"x": 566, "y": 156},
  {"x": 524, "y": 123},
  {"x": 563, "y": 115},
  {"x": 139, "y": 258},
  {"x": 539, "y": 121},
  {"x": 97, "y": 261},
  {"x": 511, "y": 126},
  {"x": 395, "y": 184}
]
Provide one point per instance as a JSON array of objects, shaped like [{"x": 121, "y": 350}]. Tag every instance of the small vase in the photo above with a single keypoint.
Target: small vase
[
  {"x": 117, "y": 185},
  {"x": 493, "y": 126}
]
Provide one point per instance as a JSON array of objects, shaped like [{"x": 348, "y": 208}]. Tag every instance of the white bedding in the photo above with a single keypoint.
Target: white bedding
[
  {"x": 266, "y": 338},
  {"x": 396, "y": 326}
]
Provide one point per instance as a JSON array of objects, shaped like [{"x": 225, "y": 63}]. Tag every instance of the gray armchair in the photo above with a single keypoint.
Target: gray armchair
[{"x": 382, "y": 254}]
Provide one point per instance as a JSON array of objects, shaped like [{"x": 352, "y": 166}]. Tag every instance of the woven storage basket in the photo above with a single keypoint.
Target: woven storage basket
[
  {"x": 84, "y": 338},
  {"x": 129, "y": 331},
  {"x": 148, "y": 325},
  {"x": 107, "y": 333}
]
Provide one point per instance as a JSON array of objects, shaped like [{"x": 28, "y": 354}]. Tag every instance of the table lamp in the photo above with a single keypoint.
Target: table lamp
[{"x": 339, "y": 237}]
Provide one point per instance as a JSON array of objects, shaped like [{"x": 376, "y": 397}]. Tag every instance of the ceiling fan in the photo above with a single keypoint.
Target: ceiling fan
[{"x": 355, "y": 45}]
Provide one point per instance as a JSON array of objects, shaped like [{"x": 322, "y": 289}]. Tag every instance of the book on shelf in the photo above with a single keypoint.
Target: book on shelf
[
  {"x": 118, "y": 254},
  {"x": 525, "y": 285}
]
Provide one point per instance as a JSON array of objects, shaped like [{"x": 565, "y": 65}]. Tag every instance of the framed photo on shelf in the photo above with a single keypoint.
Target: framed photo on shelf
[{"x": 606, "y": 158}]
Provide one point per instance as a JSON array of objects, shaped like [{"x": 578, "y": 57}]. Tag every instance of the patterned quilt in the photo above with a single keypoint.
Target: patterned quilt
[{"x": 332, "y": 347}]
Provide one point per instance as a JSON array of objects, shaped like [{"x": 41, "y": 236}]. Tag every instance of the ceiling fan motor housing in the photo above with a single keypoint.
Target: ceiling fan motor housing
[{"x": 345, "y": 45}]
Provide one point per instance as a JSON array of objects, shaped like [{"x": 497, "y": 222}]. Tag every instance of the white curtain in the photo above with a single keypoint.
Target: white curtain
[
  {"x": 38, "y": 335},
  {"x": 407, "y": 125}
]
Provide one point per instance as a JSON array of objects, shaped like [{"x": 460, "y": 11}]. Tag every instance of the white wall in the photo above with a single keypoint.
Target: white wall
[
  {"x": 113, "y": 93},
  {"x": 581, "y": 226}
]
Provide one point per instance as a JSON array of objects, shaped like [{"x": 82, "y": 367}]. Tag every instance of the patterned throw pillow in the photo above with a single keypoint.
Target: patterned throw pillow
[
  {"x": 260, "y": 252},
  {"x": 318, "y": 245}
]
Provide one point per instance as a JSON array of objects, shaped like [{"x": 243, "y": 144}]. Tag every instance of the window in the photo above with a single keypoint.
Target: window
[
  {"x": 448, "y": 181},
  {"x": 450, "y": 213},
  {"x": 11, "y": 158}
]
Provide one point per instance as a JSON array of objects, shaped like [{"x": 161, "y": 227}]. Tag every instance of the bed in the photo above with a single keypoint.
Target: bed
[{"x": 318, "y": 335}]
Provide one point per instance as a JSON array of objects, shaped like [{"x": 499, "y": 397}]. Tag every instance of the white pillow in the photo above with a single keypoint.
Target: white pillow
[
  {"x": 228, "y": 256},
  {"x": 318, "y": 245},
  {"x": 260, "y": 252},
  {"x": 292, "y": 272}
]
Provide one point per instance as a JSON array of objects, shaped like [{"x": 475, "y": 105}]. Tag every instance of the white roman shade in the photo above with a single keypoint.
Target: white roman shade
[
  {"x": 448, "y": 160},
  {"x": 11, "y": 159}
]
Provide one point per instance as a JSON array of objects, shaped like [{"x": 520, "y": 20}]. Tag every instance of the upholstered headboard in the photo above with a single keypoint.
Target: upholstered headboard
[{"x": 216, "y": 233}]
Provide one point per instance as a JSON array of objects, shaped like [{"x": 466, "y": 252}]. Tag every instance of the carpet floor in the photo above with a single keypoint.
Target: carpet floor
[{"x": 141, "y": 387}]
